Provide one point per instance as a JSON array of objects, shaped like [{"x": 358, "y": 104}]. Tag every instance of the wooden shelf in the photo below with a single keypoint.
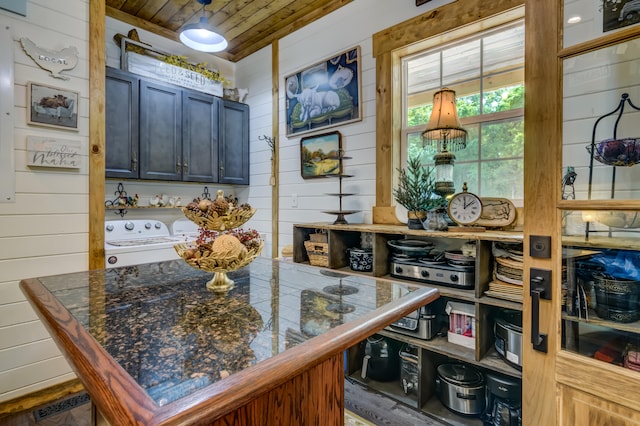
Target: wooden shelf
[
  {"x": 488, "y": 235},
  {"x": 435, "y": 409},
  {"x": 392, "y": 389},
  {"x": 439, "y": 349},
  {"x": 140, "y": 207},
  {"x": 594, "y": 319},
  {"x": 500, "y": 303}
]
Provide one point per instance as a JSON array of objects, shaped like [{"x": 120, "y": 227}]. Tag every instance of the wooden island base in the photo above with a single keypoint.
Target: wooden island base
[
  {"x": 314, "y": 397},
  {"x": 158, "y": 348}
]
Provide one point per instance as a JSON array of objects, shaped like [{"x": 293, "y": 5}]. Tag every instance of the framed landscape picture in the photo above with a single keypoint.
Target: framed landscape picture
[
  {"x": 325, "y": 94},
  {"x": 52, "y": 107},
  {"x": 320, "y": 155}
]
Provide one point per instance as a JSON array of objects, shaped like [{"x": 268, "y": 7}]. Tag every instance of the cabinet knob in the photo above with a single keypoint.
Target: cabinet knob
[
  {"x": 134, "y": 163},
  {"x": 178, "y": 167},
  {"x": 221, "y": 168},
  {"x": 185, "y": 167}
]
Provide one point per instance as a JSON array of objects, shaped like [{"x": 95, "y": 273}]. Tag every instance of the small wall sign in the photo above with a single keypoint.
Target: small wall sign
[
  {"x": 50, "y": 152},
  {"x": 54, "y": 61}
]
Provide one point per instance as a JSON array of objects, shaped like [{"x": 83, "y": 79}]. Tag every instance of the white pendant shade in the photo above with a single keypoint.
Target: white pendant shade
[{"x": 203, "y": 37}]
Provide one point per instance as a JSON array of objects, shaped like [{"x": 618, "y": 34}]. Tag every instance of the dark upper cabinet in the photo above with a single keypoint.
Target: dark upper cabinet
[
  {"x": 234, "y": 143},
  {"x": 121, "y": 124},
  {"x": 200, "y": 125},
  {"x": 163, "y": 132},
  {"x": 160, "y": 131}
]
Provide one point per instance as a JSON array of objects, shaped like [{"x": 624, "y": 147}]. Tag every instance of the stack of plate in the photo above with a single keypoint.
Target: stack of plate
[{"x": 507, "y": 272}]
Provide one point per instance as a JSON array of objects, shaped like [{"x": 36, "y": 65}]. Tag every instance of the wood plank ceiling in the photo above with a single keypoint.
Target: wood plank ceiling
[{"x": 248, "y": 25}]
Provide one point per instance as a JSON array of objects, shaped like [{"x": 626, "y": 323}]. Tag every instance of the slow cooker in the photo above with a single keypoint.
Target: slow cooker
[
  {"x": 508, "y": 332},
  {"x": 461, "y": 388}
]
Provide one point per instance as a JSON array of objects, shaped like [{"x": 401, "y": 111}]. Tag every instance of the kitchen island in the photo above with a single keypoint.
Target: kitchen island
[{"x": 153, "y": 346}]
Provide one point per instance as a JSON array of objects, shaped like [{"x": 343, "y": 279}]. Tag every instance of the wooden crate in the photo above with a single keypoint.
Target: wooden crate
[{"x": 318, "y": 253}]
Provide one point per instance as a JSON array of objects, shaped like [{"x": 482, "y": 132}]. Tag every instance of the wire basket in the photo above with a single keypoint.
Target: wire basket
[
  {"x": 214, "y": 222},
  {"x": 616, "y": 152},
  {"x": 208, "y": 261}
]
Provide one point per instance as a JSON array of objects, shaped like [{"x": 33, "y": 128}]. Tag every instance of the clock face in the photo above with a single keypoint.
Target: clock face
[{"x": 465, "y": 208}]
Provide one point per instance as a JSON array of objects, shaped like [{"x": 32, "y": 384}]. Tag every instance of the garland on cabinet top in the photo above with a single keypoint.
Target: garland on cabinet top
[
  {"x": 201, "y": 68},
  {"x": 133, "y": 44}
]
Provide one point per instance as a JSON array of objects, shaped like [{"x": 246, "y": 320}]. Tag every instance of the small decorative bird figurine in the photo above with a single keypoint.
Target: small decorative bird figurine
[{"x": 154, "y": 201}]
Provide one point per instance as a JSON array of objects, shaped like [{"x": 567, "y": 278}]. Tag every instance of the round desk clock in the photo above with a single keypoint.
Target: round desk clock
[{"x": 465, "y": 208}]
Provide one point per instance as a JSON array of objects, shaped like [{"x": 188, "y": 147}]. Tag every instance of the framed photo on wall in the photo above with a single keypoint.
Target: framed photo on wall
[
  {"x": 325, "y": 94},
  {"x": 52, "y": 106},
  {"x": 320, "y": 155}
]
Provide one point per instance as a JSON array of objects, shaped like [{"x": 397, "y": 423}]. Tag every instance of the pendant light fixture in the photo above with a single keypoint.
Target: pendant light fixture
[
  {"x": 203, "y": 36},
  {"x": 446, "y": 135}
]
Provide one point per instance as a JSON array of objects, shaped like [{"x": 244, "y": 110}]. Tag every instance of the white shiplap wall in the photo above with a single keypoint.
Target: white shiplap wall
[
  {"x": 254, "y": 73},
  {"x": 45, "y": 231}
]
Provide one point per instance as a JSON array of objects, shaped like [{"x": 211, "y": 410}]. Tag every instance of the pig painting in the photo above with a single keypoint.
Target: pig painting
[
  {"x": 54, "y": 101},
  {"x": 324, "y": 94},
  {"x": 315, "y": 103},
  {"x": 52, "y": 106}
]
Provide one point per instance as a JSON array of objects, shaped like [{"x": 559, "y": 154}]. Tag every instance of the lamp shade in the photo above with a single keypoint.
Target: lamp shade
[
  {"x": 203, "y": 36},
  {"x": 444, "y": 130}
]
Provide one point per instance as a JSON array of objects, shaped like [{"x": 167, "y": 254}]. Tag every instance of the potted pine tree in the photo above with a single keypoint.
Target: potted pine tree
[{"x": 416, "y": 192}]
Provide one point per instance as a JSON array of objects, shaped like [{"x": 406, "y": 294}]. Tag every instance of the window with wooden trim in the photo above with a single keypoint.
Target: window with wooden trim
[{"x": 486, "y": 70}]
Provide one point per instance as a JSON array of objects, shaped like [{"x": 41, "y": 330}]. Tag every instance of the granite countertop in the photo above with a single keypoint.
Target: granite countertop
[{"x": 173, "y": 336}]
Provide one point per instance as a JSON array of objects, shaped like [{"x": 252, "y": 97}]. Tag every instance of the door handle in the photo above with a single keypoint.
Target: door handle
[{"x": 540, "y": 283}]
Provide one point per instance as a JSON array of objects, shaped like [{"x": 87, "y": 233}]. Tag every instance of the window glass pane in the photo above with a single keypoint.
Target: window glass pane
[
  {"x": 468, "y": 106},
  {"x": 471, "y": 152},
  {"x": 416, "y": 147},
  {"x": 423, "y": 73},
  {"x": 419, "y": 115},
  {"x": 502, "y": 99},
  {"x": 503, "y": 50},
  {"x": 601, "y": 122},
  {"x": 460, "y": 63},
  {"x": 503, "y": 179},
  {"x": 466, "y": 172},
  {"x": 504, "y": 139},
  {"x": 601, "y": 286},
  {"x": 487, "y": 74}
]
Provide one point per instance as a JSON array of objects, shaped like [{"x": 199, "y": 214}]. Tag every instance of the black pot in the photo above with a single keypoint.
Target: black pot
[
  {"x": 361, "y": 259},
  {"x": 617, "y": 299},
  {"x": 381, "y": 360}
]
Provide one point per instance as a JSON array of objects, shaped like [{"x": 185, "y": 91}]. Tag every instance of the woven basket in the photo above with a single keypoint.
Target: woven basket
[
  {"x": 209, "y": 262},
  {"x": 213, "y": 222},
  {"x": 318, "y": 237},
  {"x": 318, "y": 253}
]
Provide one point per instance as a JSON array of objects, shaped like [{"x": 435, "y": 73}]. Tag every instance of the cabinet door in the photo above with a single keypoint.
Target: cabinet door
[
  {"x": 121, "y": 125},
  {"x": 200, "y": 137},
  {"x": 160, "y": 131},
  {"x": 234, "y": 143}
]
